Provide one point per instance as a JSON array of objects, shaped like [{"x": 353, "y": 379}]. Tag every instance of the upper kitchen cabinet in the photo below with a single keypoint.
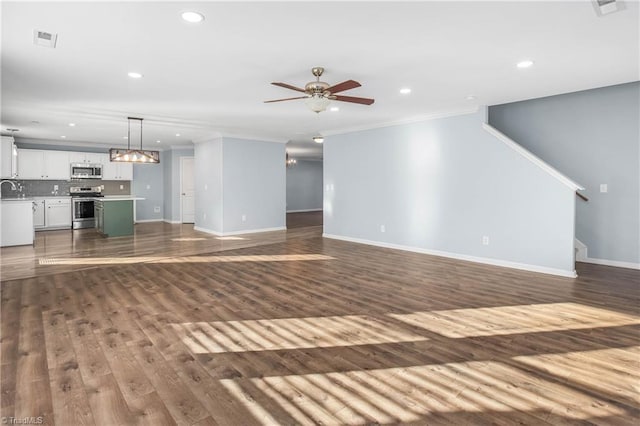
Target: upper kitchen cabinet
[
  {"x": 86, "y": 157},
  {"x": 38, "y": 164},
  {"x": 8, "y": 158},
  {"x": 112, "y": 170}
]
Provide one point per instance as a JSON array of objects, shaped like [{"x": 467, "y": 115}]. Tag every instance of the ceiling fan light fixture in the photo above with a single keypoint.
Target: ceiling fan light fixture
[
  {"x": 317, "y": 103},
  {"x": 318, "y": 139}
]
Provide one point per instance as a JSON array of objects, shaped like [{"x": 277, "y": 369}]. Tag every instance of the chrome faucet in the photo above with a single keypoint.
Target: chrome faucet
[{"x": 13, "y": 184}]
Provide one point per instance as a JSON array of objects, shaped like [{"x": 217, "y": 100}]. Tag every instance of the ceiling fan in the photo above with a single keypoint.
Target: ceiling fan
[{"x": 319, "y": 94}]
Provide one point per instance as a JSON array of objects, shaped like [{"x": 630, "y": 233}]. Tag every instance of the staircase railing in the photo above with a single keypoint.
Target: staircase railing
[{"x": 582, "y": 196}]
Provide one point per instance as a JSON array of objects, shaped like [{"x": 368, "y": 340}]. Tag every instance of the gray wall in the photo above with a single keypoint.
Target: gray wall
[
  {"x": 254, "y": 185},
  {"x": 593, "y": 137},
  {"x": 148, "y": 183},
  {"x": 440, "y": 186},
  {"x": 304, "y": 186},
  {"x": 208, "y": 179}
]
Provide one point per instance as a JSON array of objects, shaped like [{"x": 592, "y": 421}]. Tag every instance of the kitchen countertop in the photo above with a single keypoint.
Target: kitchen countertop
[{"x": 30, "y": 199}]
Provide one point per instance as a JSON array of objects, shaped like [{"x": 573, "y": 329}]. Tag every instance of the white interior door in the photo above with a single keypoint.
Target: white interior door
[{"x": 187, "y": 189}]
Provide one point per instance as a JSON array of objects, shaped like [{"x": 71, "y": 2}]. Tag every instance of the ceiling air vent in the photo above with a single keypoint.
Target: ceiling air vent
[
  {"x": 43, "y": 38},
  {"x": 604, "y": 7}
]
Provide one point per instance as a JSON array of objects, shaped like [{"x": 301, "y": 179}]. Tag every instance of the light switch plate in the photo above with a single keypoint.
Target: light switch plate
[{"x": 604, "y": 187}]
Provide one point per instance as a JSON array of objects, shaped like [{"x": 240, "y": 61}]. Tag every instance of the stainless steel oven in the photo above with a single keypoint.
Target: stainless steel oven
[{"x": 83, "y": 215}]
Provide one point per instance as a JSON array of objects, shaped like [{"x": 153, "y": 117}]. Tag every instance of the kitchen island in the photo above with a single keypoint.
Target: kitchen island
[{"x": 114, "y": 215}]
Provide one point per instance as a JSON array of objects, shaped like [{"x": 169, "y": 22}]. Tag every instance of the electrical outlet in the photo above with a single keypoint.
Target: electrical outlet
[
  {"x": 244, "y": 217},
  {"x": 55, "y": 187},
  {"x": 485, "y": 241},
  {"x": 156, "y": 209},
  {"x": 604, "y": 187},
  {"x": 383, "y": 228},
  {"x": 148, "y": 186},
  {"x": 121, "y": 187}
]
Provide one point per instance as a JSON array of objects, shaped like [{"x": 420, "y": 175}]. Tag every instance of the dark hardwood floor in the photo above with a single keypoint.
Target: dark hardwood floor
[
  {"x": 304, "y": 219},
  {"x": 290, "y": 328}
]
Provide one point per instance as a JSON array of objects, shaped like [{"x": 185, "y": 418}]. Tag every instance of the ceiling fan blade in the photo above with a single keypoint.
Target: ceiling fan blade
[
  {"x": 345, "y": 85},
  {"x": 288, "y": 86},
  {"x": 364, "y": 101},
  {"x": 286, "y": 99}
]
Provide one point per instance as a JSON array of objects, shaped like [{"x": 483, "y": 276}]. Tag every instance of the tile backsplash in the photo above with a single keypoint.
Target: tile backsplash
[{"x": 45, "y": 188}]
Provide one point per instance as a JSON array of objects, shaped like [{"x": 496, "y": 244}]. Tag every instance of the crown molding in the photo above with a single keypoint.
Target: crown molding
[{"x": 407, "y": 120}]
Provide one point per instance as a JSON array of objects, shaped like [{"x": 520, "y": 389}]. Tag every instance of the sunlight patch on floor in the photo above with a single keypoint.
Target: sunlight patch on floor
[
  {"x": 289, "y": 333},
  {"x": 594, "y": 369},
  {"x": 184, "y": 239},
  {"x": 408, "y": 394},
  {"x": 184, "y": 259},
  {"x": 501, "y": 320}
]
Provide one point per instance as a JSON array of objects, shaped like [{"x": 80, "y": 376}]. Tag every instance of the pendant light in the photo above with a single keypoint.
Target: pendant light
[{"x": 134, "y": 155}]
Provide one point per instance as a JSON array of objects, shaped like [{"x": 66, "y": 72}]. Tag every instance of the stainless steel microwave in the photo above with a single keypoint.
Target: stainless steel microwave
[{"x": 86, "y": 171}]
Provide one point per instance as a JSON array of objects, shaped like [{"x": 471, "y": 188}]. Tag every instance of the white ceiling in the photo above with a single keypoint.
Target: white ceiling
[{"x": 212, "y": 78}]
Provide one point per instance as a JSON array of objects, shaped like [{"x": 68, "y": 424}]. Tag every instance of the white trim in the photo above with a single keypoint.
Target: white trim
[
  {"x": 483, "y": 260},
  {"x": 207, "y": 231},
  {"x": 254, "y": 231},
  {"x": 615, "y": 263},
  {"x": 532, "y": 158},
  {"x": 249, "y": 231},
  {"x": 408, "y": 120},
  {"x": 582, "y": 251},
  {"x": 173, "y": 222},
  {"x": 149, "y": 220},
  {"x": 304, "y": 211},
  {"x": 180, "y": 147}
]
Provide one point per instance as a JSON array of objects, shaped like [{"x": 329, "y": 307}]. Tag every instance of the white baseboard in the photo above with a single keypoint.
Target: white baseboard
[
  {"x": 207, "y": 231},
  {"x": 149, "y": 220},
  {"x": 171, "y": 221},
  {"x": 606, "y": 262},
  {"x": 255, "y": 231},
  {"x": 249, "y": 231},
  {"x": 483, "y": 260},
  {"x": 304, "y": 211}
]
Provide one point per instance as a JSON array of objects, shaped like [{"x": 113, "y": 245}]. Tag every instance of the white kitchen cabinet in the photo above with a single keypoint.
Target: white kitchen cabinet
[
  {"x": 40, "y": 164},
  {"x": 86, "y": 157},
  {"x": 57, "y": 213},
  {"x": 38, "y": 214},
  {"x": 117, "y": 171},
  {"x": 8, "y": 158},
  {"x": 16, "y": 226}
]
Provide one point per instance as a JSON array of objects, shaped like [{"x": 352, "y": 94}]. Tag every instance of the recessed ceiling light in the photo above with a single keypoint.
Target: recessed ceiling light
[
  {"x": 63, "y": 136},
  {"x": 470, "y": 98},
  {"x": 134, "y": 75},
  {"x": 405, "y": 91},
  {"x": 72, "y": 124},
  {"x": 334, "y": 109},
  {"x": 177, "y": 134},
  {"x": 525, "y": 64},
  {"x": 157, "y": 141},
  {"x": 125, "y": 137},
  {"x": 318, "y": 139},
  {"x": 193, "y": 17}
]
